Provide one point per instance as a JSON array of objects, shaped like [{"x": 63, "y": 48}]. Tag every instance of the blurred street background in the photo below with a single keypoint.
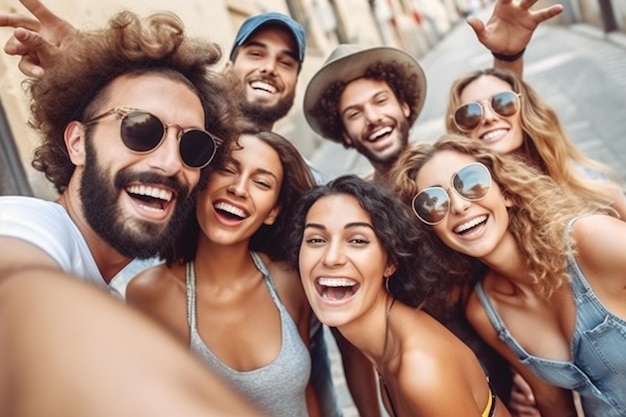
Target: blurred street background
[{"x": 576, "y": 61}]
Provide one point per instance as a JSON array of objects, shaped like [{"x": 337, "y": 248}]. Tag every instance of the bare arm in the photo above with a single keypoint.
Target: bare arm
[
  {"x": 360, "y": 377},
  {"x": 38, "y": 38},
  {"x": 510, "y": 28},
  {"x": 62, "y": 334}
]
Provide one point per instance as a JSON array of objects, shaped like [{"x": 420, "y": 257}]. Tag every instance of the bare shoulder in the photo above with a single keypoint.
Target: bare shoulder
[{"x": 151, "y": 284}]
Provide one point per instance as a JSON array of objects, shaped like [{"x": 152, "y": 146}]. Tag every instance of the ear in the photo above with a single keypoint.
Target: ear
[
  {"x": 507, "y": 201},
  {"x": 74, "y": 137},
  {"x": 406, "y": 109},
  {"x": 271, "y": 217},
  {"x": 347, "y": 142},
  {"x": 228, "y": 66},
  {"x": 390, "y": 269}
]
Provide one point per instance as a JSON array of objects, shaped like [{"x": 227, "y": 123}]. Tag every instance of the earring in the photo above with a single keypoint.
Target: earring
[{"x": 387, "y": 284}]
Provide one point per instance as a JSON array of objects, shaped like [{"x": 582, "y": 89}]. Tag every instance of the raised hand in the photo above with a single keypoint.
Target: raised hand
[
  {"x": 38, "y": 38},
  {"x": 511, "y": 26}
]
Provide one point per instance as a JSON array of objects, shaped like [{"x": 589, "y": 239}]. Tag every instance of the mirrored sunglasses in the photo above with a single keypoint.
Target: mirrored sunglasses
[
  {"x": 143, "y": 132},
  {"x": 468, "y": 116},
  {"x": 472, "y": 183}
]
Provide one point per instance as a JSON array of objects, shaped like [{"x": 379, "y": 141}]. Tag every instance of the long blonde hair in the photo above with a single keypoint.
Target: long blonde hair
[
  {"x": 539, "y": 214},
  {"x": 546, "y": 145}
]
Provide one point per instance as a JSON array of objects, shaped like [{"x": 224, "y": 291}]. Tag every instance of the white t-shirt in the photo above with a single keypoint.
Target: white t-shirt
[{"x": 47, "y": 225}]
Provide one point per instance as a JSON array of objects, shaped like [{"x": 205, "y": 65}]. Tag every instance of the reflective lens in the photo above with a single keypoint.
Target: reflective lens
[
  {"x": 144, "y": 132},
  {"x": 472, "y": 182},
  {"x": 468, "y": 116}
]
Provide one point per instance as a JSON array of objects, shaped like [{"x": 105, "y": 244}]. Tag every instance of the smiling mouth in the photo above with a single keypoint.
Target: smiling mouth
[
  {"x": 380, "y": 133},
  {"x": 263, "y": 86},
  {"x": 230, "y": 211},
  {"x": 468, "y": 226},
  {"x": 336, "y": 289},
  {"x": 149, "y": 197}
]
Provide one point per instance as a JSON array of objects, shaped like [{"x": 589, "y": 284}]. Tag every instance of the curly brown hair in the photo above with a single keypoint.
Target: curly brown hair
[
  {"x": 77, "y": 80},
  {"x": 402, "y": 81},
  {"x": 539, "y": 214}
]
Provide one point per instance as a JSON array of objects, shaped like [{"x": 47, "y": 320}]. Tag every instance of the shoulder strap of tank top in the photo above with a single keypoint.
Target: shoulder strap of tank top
[
  {"x": 190, "y": 281},
  {"x": 258, "y": 262}
]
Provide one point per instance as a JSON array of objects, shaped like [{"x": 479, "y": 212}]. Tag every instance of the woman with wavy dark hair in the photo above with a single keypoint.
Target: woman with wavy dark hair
[
  {"x": 359, "y": 258},
  {"x": 225, "y": 290},
  {"x": 549, "y": 267}
]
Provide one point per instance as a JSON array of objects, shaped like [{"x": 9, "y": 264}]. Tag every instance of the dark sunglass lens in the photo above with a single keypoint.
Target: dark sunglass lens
[
  {"x": 505, "y": 103},
  {"x": 472, "y": 182},
  {"x": 431, "y": 205},
  {"x": 197, "y": 148},
  {"x": 467, "y": 117},
  {"x": 141, "y": 131}
]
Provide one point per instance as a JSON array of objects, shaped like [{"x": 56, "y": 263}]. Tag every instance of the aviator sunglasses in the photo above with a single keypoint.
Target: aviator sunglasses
[
  {"x": 472, "y": 183},
  {"x": 468, "y": 116},
  {"x": 143, "y": 132}
]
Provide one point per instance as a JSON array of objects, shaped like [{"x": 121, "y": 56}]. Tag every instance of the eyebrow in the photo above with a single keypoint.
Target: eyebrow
[
  {"x": 347, "y": 226},
  {"x": 373, "y": 97},
  {"x": 262, "y": 171},
  {"x": 254, "y": 43}
]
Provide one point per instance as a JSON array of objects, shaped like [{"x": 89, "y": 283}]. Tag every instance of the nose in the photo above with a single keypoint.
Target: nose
[
  {"x": 238, "y": 187},
  {"x": 268, "y": 65},
  {"x": 457, "y": 203},
  {"x": 372, "y": 116},
  {"x": 488, "y": 114},
  {"x": 166, "y": 157},
  {"x": 333, "y": 255}
]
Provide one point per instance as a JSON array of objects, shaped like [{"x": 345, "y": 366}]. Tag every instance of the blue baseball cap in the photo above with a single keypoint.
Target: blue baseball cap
[{"x": 255, "y": 22}]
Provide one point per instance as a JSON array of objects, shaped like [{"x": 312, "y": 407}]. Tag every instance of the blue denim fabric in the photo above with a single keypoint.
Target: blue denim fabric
[{"x": 598, "y": 368}]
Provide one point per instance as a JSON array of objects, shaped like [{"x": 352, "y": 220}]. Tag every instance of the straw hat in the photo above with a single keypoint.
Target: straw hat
[{"x": 348, "y": 62}]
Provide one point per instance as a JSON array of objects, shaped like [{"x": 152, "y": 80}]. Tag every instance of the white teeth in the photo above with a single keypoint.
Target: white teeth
[
  {"x": 336, "y": 282},
  {"x": 263, "y": 86},
  {"x": 148, "y": 191},
  {"x": 468, "y": 225},
  {"x": 379, "y": 133},
  {"x": 229, "y": 208},
  {"x": 494, "y": 134}
]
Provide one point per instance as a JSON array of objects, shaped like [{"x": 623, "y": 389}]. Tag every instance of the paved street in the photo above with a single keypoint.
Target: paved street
[{"x": 576, "y": 69}]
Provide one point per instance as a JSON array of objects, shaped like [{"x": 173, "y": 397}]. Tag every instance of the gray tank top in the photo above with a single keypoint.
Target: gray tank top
[{"x": 278, "y": 389}]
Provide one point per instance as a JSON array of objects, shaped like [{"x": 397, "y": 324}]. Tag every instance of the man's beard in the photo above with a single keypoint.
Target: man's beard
[
  {"x": 402, "y": 131},
  {"x": 99, "y": 194},
  {"x": 264, "y": 115}
]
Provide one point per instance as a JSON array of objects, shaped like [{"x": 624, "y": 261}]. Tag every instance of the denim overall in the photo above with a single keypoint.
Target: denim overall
[{"x": 598, "y": 348}]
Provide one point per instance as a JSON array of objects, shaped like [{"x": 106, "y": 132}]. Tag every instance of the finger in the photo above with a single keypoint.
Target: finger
[
  {"x": 41, "y": 12},
  {"x": 18, "y": 20},
  {"x": 477, "y": 26},
  {"x": 548, "y": 13},
  {"x": 29, "y": 67},
  {"x": 527, "y": 4},
  {"x": 28, "y": 40}
]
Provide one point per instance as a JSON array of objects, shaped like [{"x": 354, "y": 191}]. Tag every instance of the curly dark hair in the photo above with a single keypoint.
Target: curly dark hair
[
  {"x": 416, "y": 279},
  {"x": 269, "y": 239},
  {"x": 402, "y": 81},
  {"x": 77, "y": 80}
]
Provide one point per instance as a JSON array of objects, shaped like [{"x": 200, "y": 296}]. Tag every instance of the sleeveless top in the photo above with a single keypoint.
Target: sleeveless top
[
  {"x": 278, "y": 388},
  {"x": 597, "y": 370}
]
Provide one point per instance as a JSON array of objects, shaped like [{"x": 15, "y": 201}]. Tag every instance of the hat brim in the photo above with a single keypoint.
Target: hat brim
[{"x": 352, "y": 66}]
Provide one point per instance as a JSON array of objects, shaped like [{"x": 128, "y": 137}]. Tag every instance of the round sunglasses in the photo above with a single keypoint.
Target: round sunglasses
[
  {"x": 472, "y": 183},
  {"x": 468, "y": 116},
  {"x": 143, "y": 132}
]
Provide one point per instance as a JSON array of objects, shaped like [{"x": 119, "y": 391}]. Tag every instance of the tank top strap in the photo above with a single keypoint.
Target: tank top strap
[
  {"x": 496, "y": 321},
  {"x": 258, "y": 262},
  {"x": 190, "y": 280},
  {"x": 578, "y": 281}
]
